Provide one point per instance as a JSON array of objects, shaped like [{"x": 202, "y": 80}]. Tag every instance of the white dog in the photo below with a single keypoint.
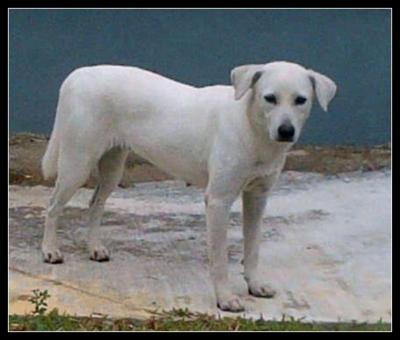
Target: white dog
[{"x": 229, "y": 140}]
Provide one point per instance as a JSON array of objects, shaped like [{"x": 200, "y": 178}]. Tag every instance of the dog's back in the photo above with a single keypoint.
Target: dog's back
[{"x": 167, "y": 122}]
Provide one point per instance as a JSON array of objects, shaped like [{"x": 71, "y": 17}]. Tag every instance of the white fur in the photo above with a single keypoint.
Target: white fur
[{"x": 222, "y": 138}]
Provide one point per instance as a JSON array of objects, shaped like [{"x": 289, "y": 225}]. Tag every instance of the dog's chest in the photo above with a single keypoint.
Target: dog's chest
[
  {"x": 262, "y": 172},
  {"x": 266, "y": 166}
]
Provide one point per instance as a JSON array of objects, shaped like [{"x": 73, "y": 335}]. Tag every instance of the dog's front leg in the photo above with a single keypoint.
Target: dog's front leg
[
  {"x": 254, "y": 203},
  {"x": 217, "y": 214}
]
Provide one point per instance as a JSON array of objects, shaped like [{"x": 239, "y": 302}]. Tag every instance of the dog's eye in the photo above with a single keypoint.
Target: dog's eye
[
  {"x": 300, "y": 100},
  {"x": 270, "y": 98}
]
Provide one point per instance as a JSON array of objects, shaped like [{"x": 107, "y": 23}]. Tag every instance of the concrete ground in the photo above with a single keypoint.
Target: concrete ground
[{"x": 326, "y": 248}]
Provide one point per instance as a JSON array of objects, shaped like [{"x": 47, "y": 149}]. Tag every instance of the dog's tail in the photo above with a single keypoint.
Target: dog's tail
[{"x": 50, "y": 158}]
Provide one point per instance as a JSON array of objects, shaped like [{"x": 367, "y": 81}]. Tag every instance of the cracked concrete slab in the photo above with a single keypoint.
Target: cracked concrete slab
[{"x": 326, "y": 248}]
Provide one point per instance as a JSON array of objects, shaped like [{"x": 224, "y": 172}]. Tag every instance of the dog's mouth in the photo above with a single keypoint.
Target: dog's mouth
[{"x": 285, "y": 140}]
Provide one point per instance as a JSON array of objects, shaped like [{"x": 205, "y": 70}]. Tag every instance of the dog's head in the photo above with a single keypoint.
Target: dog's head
[{"x": 281, "y": 96}]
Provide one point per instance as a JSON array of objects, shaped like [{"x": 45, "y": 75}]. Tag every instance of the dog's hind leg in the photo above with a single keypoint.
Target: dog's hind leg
[
  {"x": 111, "y": 167},
  {"x": 74, "y": 169}
]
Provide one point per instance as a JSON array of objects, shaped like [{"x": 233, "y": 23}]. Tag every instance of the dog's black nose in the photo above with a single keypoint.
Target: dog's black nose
[{"x": 286, "y": 132}]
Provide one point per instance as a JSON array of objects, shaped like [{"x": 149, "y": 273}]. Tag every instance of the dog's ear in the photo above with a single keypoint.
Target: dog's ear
[
  {"x": 244, "y": 77},
  {"x": 324, "y": 88}
]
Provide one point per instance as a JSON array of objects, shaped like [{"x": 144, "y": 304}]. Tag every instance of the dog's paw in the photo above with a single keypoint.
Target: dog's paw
[
  {"x": 52, "y": 255},
  {"x": 99, "y": 253},
  {"x": 231, "y": 304},
  {"x": 258, "y": 289}
]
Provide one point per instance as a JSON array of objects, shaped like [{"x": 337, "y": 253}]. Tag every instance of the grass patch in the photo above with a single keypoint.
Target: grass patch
[
  {"x": 178, "y": 320},
  {"x": 174, "y": 320}
]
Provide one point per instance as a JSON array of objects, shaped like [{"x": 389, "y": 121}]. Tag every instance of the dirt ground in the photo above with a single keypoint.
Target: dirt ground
[
  {"x": 326, "y": 240},
  {"x": 26, "y": 151},
  {"x": 325, "y": 246}
]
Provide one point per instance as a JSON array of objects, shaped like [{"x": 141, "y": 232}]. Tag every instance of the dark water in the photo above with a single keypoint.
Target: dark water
[{"x": 200, "y": 47}]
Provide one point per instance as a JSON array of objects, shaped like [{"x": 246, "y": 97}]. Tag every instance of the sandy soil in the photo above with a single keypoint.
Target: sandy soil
[
  {"x": 325, "y": 247},
  {"x": 26, "y": 151},
  {"x": 326, "y": 240}
]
